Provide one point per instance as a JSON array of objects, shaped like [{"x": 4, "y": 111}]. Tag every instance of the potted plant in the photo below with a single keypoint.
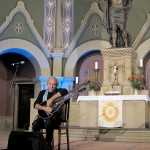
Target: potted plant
[
  {"x": 136, "y": 81},
  {"x": 94, "y": 86}
]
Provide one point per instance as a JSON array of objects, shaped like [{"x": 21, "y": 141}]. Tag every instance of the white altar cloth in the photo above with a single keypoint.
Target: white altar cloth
[
  {"x": 110, "y": 113},
  {"x": 113, "y": 97}
]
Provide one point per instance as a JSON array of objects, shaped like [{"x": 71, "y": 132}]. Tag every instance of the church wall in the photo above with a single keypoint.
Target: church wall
[
  {"x": 89, "y": 33},
  {"x": 81, "y": 7},
  {"x": 137, "y": 17},
  {"x": 6, "y": 8},
  {"x": 147, "y": 36},
  {"x": 35, "y": 9},
  {"x": 3, "y": 91},
  {"x": 135, "y": 21},
  {"x": 25, "y": 34}
]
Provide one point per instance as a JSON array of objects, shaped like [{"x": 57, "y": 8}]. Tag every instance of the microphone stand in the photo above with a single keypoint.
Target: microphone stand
[{"x": 10, "y": 91}]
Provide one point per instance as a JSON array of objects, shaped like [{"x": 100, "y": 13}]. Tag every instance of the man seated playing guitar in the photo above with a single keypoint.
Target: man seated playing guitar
[{"x": 49, "y": 95}]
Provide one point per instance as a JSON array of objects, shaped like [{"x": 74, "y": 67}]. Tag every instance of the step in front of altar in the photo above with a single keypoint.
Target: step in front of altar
[{"x": 109, "y": 135}]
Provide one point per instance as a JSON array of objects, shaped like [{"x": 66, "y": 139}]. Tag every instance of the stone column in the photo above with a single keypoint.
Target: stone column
[
  {"x": 57, "y": 64},
  {"x": 58, "y": 28},
  {"x": 58, "y": 50}
]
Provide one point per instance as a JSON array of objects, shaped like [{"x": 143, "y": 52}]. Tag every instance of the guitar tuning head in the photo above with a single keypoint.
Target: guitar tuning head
[{"x": 87, "y": 82}]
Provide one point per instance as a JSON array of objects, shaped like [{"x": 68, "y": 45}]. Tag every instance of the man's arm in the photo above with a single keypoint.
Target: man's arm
[
  {"x": 48, "y": 109},
  {"x": 50, "y": 100},
  {"x": 39, "y": 100},
  {"x": 45, "y": 108},
  {"x": 61, "y": 92}
]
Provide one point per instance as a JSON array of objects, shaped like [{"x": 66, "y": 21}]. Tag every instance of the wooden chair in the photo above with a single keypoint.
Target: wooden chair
[{"x": 64, "y": 127}]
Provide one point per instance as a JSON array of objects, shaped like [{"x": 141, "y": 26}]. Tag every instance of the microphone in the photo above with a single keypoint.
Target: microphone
[{"x": 18, "y": 63}]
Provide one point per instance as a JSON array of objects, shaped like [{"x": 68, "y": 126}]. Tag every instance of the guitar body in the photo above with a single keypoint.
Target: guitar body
[{"x": 56, "y": 108}]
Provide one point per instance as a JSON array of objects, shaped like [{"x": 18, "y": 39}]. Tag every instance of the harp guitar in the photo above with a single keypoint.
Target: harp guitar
[{"x": 59, "y": 102}]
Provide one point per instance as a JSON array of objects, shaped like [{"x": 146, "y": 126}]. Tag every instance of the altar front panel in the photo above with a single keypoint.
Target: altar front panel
[
  {"x": 135, "y": 114},
  {"x": 88, "y": 116}
]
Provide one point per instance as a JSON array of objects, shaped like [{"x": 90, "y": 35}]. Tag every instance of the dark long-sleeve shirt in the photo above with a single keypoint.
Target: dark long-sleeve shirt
[{"x": 39, "y": 99}]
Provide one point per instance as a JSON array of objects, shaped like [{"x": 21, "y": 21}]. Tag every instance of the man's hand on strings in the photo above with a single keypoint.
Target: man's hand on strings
[
  {"x": 48, "y": 109},
  {"x": 49, "y": 102}
]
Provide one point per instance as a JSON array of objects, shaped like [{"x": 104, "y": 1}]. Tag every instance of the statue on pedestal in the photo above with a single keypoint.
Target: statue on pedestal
[{"x": 115, "y": 17}]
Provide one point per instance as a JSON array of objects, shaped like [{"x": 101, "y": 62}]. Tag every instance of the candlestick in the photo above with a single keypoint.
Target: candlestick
[
  {"x": 98, "y": 85},
  {"x": 96, "y": 65}
]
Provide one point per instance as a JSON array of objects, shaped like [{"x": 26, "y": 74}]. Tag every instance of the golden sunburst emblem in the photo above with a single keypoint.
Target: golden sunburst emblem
[{"x": 110, "y": 112}]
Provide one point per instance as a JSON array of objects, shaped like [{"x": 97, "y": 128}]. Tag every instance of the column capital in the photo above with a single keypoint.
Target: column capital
[{"x": 57, "y": 55}]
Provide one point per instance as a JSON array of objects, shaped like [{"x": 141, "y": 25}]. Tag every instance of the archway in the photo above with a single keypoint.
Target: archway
[
  {"x": 34, "y": 57},
  {"x": 81, "y": 51},
  {"x": 143, "y": 52}
]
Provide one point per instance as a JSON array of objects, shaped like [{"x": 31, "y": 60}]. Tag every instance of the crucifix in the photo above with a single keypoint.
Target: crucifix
[{"x": 115, "y": 71}]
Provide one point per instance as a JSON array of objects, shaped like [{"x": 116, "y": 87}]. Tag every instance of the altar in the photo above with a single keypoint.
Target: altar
[
  {"x": 84, "y": 112},
  {"x": 135, "y": 110}
]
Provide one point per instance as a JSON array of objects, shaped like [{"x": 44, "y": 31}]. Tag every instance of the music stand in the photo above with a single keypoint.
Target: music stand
[{"x": 10, "y": 91}]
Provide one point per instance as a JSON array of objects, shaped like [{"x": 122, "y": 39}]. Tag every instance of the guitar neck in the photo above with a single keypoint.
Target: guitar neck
[{"x": 71, "y": 93}]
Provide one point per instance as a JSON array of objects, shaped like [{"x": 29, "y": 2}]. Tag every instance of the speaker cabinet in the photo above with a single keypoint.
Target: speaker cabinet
[{"x": 20, "y": 140}]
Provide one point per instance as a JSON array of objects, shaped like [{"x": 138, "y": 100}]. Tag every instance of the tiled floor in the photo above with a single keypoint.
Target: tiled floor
[
  {"x": 97, "y": 145},
  {"x": 85, "y": 145}
]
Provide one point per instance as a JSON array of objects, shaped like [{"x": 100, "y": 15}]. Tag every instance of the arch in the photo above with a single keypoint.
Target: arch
[
  {"x": 81, "y": 51},
  {"x": 30, "y": 51},
  {"x": 21, "y": 9},
  {"x": 143, "y": 49},
  {"x": 147, "y": 75},
  {"x": 142, "y": 32}
]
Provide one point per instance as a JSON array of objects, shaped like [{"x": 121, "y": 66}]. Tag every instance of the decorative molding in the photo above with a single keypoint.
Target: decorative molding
[
  {"x": 49, "y": 30},
  {"x": 58, "y": 55},
  {"x": 67, "y": 23},
  {"x": 95, "y": 29},
  {"x": 93, "y": 10},
  {"x": 50, "y": 23},
  {"x": 119, "y": 52},
  {"x": 18, "y": 27},
  {"x": 21, "y": 9}
]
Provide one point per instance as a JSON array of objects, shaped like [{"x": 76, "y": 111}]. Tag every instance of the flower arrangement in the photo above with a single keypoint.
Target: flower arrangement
[
  {"x": 93, "y": 84},
  {"x": 136, "y": 81}
]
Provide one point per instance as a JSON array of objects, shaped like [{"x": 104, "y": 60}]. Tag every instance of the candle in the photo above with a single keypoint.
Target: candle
[
  {"x": 96, "y": 65},
  {"x": 141, "y": 62},
  {"x": 115, "y": 68},
  {"x": 77, "y": 80}
]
